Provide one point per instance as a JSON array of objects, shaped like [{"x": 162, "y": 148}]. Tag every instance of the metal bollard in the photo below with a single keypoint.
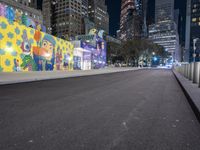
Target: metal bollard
[
  {"x": 199, "y": 74},
  {"x": 185, "y": 70},
  {"x": 188, "y": 71},
  {"x": 196, "y": 72},
  {"x": 191, "y": 71},
  {"x": 182, "y": 69}
]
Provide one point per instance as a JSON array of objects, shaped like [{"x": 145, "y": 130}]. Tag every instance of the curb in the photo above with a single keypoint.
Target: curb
[
  {"x": 63, "y": 77},
  {"x": 191, "y": 100}
]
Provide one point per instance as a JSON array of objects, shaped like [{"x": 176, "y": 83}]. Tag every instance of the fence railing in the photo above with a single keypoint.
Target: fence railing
[{"x": 190, "y": 71}]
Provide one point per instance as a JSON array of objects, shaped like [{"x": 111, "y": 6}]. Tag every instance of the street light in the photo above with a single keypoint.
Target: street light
[{"x": 194, "y": 48}]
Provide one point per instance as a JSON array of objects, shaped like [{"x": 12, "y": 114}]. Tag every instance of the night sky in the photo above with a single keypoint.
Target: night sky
[{"x": 114, "y": 12}]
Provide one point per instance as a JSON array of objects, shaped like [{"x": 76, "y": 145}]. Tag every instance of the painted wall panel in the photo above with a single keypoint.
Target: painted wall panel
[{"x": 27, "y": 49}]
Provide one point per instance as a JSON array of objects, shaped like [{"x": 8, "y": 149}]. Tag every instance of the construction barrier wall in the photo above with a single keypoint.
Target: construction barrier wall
[{"x": 26, "y": 49}]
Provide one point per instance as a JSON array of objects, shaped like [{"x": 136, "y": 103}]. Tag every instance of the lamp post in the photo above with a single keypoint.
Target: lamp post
[
  {"x": 196, "y": 64},
  {"x": 194, "y": 48}
]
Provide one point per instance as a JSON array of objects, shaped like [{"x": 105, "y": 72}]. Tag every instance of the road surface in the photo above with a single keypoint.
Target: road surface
[{"x": 135, "y": 110}]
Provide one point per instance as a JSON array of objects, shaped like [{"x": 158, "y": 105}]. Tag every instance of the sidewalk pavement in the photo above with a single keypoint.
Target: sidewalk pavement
[
  {"x": 192, "y": 91},
  {"x": 21, "y": 77}
]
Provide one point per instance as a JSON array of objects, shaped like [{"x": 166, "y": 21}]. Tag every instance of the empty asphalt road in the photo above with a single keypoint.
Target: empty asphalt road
[{"x": 135, "y": 110}]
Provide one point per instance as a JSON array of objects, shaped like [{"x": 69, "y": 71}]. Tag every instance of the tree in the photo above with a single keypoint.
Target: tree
[
  {"x": 112, "y": 51},
  {"x": 140, "y": 50}
]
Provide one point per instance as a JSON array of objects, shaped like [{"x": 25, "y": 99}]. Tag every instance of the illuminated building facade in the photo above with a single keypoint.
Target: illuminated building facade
[
  {"x": 47, "y": 14},
  {"x": 97, "y": 11},
  {"x": 67, "y": 18},
  {"x": 29, "y": 3},
  {"x": 85, "y": 8},
  {"x": 164, "y": 10},
  {"x": 63, "y": 18},
  {"x": 192, "y": 29},
  {"x": 133, "y": 19},
  {"x": 165, "y": 34},
  {"x": 126, "y": 6},
  {"x": 165, "y": 31}
]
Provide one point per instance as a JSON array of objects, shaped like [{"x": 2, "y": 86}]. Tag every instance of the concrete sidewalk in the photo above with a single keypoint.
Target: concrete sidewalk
[
  {"x": 192, "y": 91},
  {"x": 21, "y": 77}
]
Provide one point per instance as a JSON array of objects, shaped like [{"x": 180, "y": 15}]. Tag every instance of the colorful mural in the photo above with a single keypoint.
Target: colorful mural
[
  {"x": 15, "y": 15},
  {"x": 98, "y": 52},
  {"x": 99, "y": 55},
  {"x": 26, "y": 49}
]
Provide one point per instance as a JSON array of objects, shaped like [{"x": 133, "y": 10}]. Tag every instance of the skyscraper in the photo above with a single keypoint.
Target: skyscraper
[
  {"x": 97, "y": 11},
  {"x": 164, "y": 10},
  {"x": 133, "y": 19},
  {"x": 126, "y": 7},
  {"x": 85, "y": 8},
  {"x": 165, "y": 30},
  {"x": 29, "y": 3},
  {"x": 63, "y": 18},
  {"x": 192, "y": 29},
  {"x": 47, "y": 14}
]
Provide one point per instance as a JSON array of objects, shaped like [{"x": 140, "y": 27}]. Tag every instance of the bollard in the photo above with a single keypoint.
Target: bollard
[
  {"x": 199, "y": 76},
  {"x": 188, "y": 71},
  {"x": 182, "y": 69},
  {"x": 196, "y": 72},
  {"x": 191, "y": 71},
  {"x": 189, "y": 77},
  {"x": 185, "y": 70}
]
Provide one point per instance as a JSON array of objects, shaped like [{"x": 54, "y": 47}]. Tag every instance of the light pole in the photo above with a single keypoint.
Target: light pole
[{"x": 194, "y": 48}]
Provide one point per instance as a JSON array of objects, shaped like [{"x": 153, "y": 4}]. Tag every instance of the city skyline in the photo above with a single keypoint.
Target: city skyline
[{"x": 115, "y": 8}]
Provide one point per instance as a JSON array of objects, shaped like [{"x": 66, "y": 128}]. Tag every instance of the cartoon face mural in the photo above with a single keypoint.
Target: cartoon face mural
[
  {"x": 44, "y": 54},
  {"x": 25, "y": 46},
  {"x": 93, "y": 32},
  {"x": 25, "y": 49},
  {"x": 28, "y": 61},
  {"x": 48, "y": 45}
]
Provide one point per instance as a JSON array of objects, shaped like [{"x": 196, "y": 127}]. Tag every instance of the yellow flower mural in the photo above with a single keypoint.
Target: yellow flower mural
[{"x": 26, "y": 49}]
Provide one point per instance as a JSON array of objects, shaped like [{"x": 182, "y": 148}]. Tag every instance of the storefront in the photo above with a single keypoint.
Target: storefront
[
  {"x": 92, "y": 49},
  {"x": 82, "y": 57}
]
